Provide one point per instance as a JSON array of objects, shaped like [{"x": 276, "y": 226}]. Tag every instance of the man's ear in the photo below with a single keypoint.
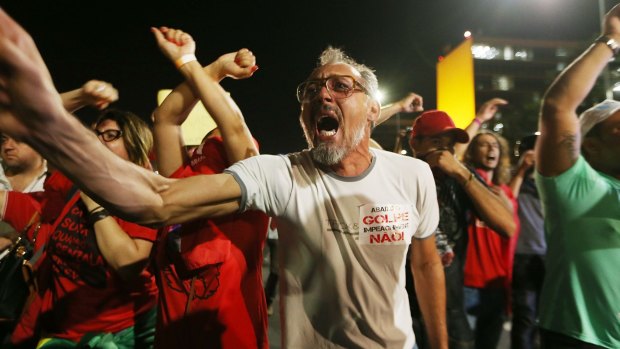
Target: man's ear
[{"x": 374, "y": 111}]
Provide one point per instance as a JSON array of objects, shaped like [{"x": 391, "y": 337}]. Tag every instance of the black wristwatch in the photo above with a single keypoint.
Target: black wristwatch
[{"x": 610, "y": 42}]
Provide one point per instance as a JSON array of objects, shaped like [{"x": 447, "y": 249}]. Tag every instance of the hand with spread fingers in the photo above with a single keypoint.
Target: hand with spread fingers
[{"x": 489, "y": 108}]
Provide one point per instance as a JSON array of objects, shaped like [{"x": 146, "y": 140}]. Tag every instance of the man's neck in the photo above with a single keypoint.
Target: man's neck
[
  {"x": 354, "y": 163},
  {"x": 20, "y": 179}
]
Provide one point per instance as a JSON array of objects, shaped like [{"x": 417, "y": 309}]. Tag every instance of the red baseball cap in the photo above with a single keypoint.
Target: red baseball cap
[{"x": 435, "y": 122}]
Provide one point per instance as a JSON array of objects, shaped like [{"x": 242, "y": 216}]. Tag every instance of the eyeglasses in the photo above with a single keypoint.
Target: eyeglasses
[
  {"x": 338, "y": 86},
  {"x": 109, "y": 135}
]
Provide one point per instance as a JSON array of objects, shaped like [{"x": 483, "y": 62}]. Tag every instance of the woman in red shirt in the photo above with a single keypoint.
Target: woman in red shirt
[{"x": 94, "y": 285}]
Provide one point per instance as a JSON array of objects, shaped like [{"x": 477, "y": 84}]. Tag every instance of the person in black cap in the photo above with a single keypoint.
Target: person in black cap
[
  {"x": 461, "y": 195},
  {"x": 529, "y": 268}
]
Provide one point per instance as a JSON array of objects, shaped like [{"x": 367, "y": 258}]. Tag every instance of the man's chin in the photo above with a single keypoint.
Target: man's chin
[{"x": 328, "y": 155}]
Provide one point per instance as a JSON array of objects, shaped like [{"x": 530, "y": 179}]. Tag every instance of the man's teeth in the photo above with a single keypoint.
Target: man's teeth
[{"x": 327, "y": 133}]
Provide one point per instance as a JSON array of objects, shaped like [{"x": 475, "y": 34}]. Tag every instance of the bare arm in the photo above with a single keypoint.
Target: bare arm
[
  {"x": 127, "y": 256},
  {"x": 94, "y": 93},
  {"x": 32, "y": 110},
  {"x": 203, "y": 83},
  {"x": 559, "y": 141},
  {"x": 526, "y": 162},
  {"x": 409, "y": 104},
  {"x": 492, "y": 208},
  {"x": 485, "y": 113},
  {"x": 430, "y": 287},
  {"x": 167, "y": 134}
]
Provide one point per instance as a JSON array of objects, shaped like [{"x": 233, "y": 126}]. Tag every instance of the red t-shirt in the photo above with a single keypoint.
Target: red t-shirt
[
  {"x": 223, "y": 259},
  {"x": 490, "y": 256},
  {"x": 81, "y": 293}
]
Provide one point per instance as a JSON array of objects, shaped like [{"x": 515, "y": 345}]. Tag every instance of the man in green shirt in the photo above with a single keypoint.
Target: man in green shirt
[{"x": 578, "y": 165}]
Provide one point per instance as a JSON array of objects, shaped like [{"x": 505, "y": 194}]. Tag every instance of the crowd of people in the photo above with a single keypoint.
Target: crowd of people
[{"x": 374, "y": 249}]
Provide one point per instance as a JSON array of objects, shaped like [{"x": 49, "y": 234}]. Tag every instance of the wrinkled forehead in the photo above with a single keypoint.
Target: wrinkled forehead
[{"x": 335, "y": 69}]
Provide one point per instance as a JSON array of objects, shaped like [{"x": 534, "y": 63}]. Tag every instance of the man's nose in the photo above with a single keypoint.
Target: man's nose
[{"x": 324, "y": 93}]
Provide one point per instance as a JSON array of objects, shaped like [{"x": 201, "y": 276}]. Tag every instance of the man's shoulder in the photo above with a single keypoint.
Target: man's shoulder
[
  {"x": 578, "y": 182},
  {"x": 300, "y": 158},
  {"x": 262, "y": 162},
  {"x": 580, "y": 169},
  {"x": 399, "y": 159}
]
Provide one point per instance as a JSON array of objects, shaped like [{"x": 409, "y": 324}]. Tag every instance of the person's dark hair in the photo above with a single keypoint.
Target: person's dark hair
[
  {"x": 527, "y": 143},
  {"x": 137, "y": 135}
]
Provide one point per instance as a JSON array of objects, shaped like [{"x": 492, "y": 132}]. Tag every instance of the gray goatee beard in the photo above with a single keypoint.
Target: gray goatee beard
[{"x": 329, "y": 154}]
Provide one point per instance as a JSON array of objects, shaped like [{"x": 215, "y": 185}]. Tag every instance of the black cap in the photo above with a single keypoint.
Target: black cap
[{"x": 527, "y": 143}]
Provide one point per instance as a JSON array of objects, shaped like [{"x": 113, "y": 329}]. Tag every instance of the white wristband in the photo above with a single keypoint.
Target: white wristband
[{"x": 186, "y": 58}]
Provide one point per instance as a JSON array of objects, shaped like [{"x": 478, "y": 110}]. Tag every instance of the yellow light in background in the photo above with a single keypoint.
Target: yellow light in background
[
  {"x": 455, "y": 84},
  {"x": 198, "y": 122}
]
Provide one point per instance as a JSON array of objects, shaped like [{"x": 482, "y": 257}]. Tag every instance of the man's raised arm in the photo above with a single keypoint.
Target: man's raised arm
[
  {"x": 32, "y": 110},
  {"x": 559, "y": 141}
]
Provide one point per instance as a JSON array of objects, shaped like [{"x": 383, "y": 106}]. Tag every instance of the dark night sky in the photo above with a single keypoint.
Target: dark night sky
[{"x": 110, "y": 40}]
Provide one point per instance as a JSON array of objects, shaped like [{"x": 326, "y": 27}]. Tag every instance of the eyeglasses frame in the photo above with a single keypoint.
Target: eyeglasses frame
[
  {"x": 100, "y": 134},
  {"x": 357, "y": 86}
]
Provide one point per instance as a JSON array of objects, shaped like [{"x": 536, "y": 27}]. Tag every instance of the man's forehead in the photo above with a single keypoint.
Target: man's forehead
[{"x": 335, "y": 69}]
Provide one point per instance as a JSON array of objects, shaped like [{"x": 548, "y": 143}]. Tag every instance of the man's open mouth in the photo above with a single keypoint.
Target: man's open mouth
[{"x": 327, "y": 125}]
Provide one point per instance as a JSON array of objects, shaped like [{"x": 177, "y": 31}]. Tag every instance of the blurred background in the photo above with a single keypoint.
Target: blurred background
[{"x": 517, "y": 48}]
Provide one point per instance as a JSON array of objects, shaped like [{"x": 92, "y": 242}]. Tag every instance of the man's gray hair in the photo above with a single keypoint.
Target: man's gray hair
[{"x": 332, "y": 55}]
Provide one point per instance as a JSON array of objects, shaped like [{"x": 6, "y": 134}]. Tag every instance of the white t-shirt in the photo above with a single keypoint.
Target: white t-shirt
[
  {"x": 272, "y": 233},
  {"x": 343, "y": 243},
  {"x": 35, "y": 185}
]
